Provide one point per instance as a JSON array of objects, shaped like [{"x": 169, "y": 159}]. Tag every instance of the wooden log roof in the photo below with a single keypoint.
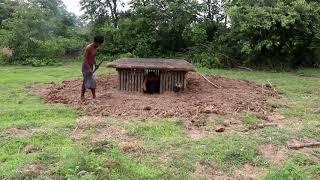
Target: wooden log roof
[{"x": 152, "y": 63}]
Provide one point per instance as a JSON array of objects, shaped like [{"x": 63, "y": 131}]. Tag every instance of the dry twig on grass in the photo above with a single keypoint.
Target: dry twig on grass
[
  {"x": 75, "y": 130},
  {"x": 297, "y": 145},
  {"x": 245, "y": 68},
  {"x": 214, "y": 85}
]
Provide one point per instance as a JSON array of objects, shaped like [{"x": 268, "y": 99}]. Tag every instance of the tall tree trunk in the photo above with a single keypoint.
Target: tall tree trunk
[
  {"x": 115, "y": 13},
  {"x": 113, "y": 5},
  {"x": 210, "y": 16}
]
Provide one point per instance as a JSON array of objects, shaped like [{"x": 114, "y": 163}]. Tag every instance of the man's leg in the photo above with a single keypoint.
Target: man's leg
[
  {"x": 83, "y": 90},
  {"x": 93, "y": 93}
]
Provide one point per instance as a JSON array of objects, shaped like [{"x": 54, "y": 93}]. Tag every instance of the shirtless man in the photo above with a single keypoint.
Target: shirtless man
[{"x": 88, "y": 66}]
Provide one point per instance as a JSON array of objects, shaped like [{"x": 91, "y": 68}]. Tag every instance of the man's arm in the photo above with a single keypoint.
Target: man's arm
[
  {"x": 86, "y": 59},
  {"x": 145, "y": 85}
]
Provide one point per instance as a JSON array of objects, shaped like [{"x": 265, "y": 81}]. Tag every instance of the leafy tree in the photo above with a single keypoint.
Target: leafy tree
[
  {"x": 39, "y": 30},
  {"x": 214, "y": 10},
  {"x": 97, "y": 10},
  {"x": 6, "y": 8},
  {"x": 275, "y": 32}
]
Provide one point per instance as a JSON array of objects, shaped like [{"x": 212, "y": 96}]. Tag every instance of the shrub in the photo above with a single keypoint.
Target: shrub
[
  {"x": 73, "y": 46},
  {"x": 204, "y": 58},
  {"x": 37, "y": 62},
  {"x": 5, "y": 55},
  {"x": 3, "y": 59},
  {"x": 127, "y": 55},
  {"x": 195, "y": 36},
  {"x": 51, "y": 48}
]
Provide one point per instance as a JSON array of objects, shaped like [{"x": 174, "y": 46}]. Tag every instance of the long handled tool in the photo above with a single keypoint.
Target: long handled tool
[
  {"x": 98, "y": 65},
  {"x": 91, "y": 82}
]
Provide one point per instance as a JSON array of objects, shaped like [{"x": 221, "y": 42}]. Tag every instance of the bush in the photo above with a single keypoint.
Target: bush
[
  {"x": 127, "y": 55},
  {"x": 73, "y": 46},
  {"x": 37, "y": 62},
  {"x": 5, "y": 55},
  {"x": 195, "y": 36},
  {"x": 3, "y": 59},
  {"x": 275, "y": 33},
  {"x": 51, "y": 48},
  {"x": 208, "y": 59},
  {"x": 143, "y": 50}
]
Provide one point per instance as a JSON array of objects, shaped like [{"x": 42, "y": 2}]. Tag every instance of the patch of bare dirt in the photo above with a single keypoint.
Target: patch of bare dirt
[
  {"x": 197, "y": 133},
  {"x": 42, "y": 90},
  {"x": 274, "y": 154},
  {"x": 208, "y": 172},
  {"x": 200, "y": 98},
  {"x": 130, "y": 145},
  {"x": 214, "y": 125},
  {"x": 275, "y": 117},
  {"x": 164, "y": 157},
  {"x": 34, "y": 170},
  {"x": 19, "y": 132},
  {"x": 249, "y": 172},
  {"x": 311, "y": 152},
  {"x": 29, "y": 148},
  {"x": 96, "y": 130}
]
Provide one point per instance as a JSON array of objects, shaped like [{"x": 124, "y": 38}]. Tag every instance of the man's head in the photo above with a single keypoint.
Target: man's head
[{"x": 98, "y": 40}]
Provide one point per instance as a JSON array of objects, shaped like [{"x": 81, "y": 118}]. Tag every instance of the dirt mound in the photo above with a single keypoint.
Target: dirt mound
[
  {"x": 19, "y": 132},
  {"x": 200, "y": 98}
]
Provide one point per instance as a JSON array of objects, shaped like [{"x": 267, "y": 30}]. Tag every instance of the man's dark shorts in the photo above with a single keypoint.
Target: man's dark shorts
[{"x": 88, "y": 79}]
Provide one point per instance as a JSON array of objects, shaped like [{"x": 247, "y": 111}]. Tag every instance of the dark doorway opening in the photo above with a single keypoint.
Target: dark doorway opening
[{"x": 151, "y": 83}]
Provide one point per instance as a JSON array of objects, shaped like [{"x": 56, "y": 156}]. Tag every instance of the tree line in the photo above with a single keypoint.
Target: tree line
[
  {"x": 38, "y": 32},
  {"x": 210, "y": 33}
]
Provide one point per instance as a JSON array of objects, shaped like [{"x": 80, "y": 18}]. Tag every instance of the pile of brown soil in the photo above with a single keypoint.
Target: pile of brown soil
[{"x": 200, "y": 98}]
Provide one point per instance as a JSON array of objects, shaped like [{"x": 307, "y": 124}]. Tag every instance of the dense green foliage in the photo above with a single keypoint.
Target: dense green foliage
[
  {"x": 276, "y": 32},
  {"x": 210, "y": 33},
  {"x": 38, "y": 31}
]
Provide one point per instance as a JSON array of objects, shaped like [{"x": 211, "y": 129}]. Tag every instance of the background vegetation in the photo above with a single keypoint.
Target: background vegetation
[{"x": 211, "y": 33}]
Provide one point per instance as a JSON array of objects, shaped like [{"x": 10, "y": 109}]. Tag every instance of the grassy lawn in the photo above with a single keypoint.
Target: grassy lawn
[{"x": 162, "y": 149}]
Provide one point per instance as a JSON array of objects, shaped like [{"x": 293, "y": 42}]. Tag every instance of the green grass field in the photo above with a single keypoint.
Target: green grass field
[{"x": 167, "y": 152}]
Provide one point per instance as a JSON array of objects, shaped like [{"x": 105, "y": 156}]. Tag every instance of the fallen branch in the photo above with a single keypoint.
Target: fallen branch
[
  {"x": 75, "y": 130},
  {"x": 214, "y": 85},
  {"x": 244, "y": 68},
  {"x": 261, "y": 126},
  {"x": 269, "y": 83},
  {"x": 297, "y": 146}
]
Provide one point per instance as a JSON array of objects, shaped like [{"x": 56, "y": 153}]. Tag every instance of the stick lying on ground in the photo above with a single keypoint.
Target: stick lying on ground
[
  {"x": 214, "y": 85},
  {"x": 297, "y": 146},
  {"x": 245, "y": 68}
]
